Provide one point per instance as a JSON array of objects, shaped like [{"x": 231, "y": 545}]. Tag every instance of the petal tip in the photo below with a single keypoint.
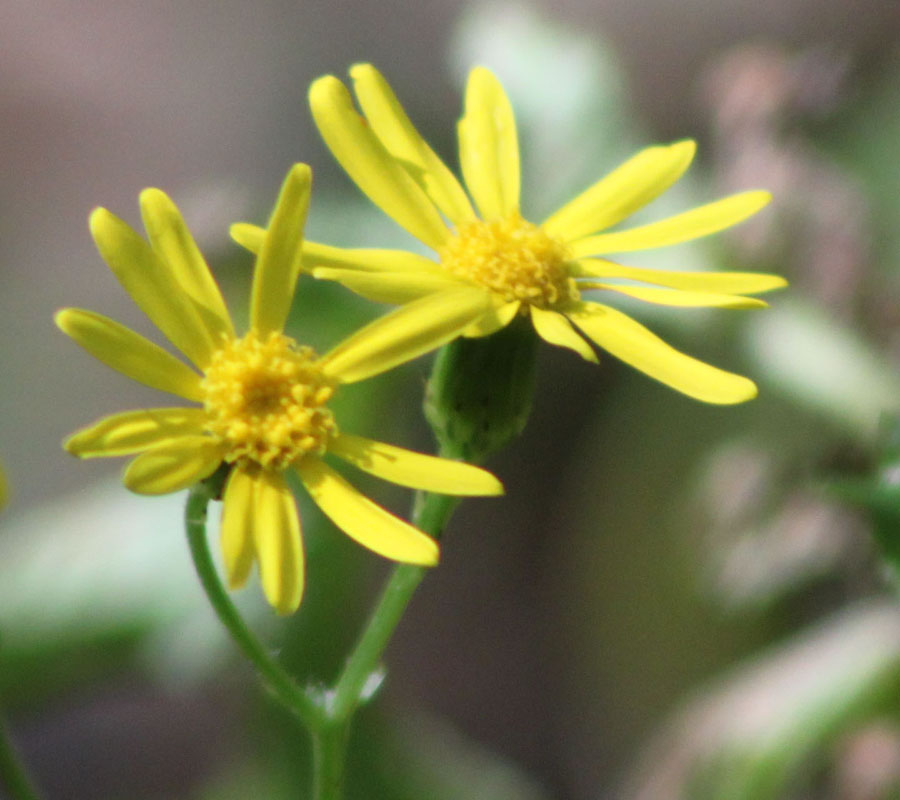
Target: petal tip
[
  {"x": 431, "y": 558},
  {"x": 480, "y": 72},
  {"x": 325, "y": 90},
  {"x": 98, "y": 220},
  {"x": 71, "y": 445},
  {"x": 748, "y": 391},
  {"x": 497, "y": 488},
  {"x": 362, "y": 69},
  {"x": 286, "y": 606},
  {"x": 61, "y": 319},
  {"x": 152, "y": 196},
  {"x": 300, "y": 174},
  {"x": 236, "y": 580}
]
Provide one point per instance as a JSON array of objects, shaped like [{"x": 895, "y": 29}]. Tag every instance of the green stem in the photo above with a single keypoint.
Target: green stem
[
  {"x": 273, "y": 676},
  {"x": 329, "y": 753},
  {"x": 12, "y": 771},
  {"x": 431, "y": 514}
]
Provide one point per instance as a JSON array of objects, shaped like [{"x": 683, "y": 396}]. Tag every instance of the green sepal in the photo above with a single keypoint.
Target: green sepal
[{"x": 479, "y": 395}]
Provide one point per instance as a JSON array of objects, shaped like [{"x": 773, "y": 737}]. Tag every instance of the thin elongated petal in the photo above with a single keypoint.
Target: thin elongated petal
[
  {"x": 323, "y": 255},
  {"x": 276, "y": 534},
  {"x": 369, "y": 260},
  {"x": 173, "y": 242},
  {"x": 364, "y": 521},
  {"x": 678, "y": 297},
  {"x": 238, "y": 516},
  {"x": 410, "y": 331},
  {"x": 133, "y": 431},
  {"x": 635, "y": 345},
  {"x": 554, "y": 328},
  {"x": 248, "y": 235},
  {"x": 693, "y": 224},
  {"x": 492, "y": 320},
  {"x": 489, "y": 146},
  {"x": 359, "y": 151},
  {"x": 627, "y": 188},
  {"x": 129, "y": 353},
  {"x": 153, "y": 286},
  {"x": 412, "y": 469},
  {"x": 388, "y": 287},
  {"x": 171, "y": 468},
  {"x": 278, "y": 262},
  {"x": 393, "y": 127},
  {"x": 716, "y": 282}
]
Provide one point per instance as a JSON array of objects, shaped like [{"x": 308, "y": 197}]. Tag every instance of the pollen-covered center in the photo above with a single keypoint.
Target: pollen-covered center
[
  {"x": 266, "y": 399},
  {"x": 512, "y": 257}
]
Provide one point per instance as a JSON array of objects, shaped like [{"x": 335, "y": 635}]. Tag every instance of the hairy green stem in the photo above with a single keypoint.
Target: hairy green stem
[
  {"x": 12, "y": 772},
  {"x": 282, "y": 686}
]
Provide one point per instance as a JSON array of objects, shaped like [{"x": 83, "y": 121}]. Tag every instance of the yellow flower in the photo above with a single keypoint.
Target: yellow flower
[
  {"x": 263, "y": 399},
  {"x": 534, "y": 270}
]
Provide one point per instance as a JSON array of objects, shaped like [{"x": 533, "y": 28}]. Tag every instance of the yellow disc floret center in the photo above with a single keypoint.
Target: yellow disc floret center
[
  {"x": 512, "y": 257},
  {"x": 265, "y": 397}
]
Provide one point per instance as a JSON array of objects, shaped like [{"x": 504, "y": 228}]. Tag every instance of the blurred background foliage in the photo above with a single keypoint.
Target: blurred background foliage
[{"x": 673, "y": 601}]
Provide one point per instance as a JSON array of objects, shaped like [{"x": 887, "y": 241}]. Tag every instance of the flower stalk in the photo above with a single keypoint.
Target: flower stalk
[
  {"x": 281, "y": 685},
  {"x": 326, "y": 714}
]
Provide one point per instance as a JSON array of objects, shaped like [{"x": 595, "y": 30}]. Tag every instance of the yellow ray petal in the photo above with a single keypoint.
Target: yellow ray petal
[
  {"x": 129, "y": 353},
  {"x": 554, "y": 328},
  {"x": 693, "y": 224},
  {"x": 369, "y": 260},
  {"x": 635, "y": 345},
  {"x": 359, "y": 151},
  {"x": 678, "y": 297},
  {"x": 323, "y": 255},
  {"x": 489, "y": 146},
  {"x": 248, "y": 236},
  {"x": 276, "y": 534},
  {"x": 173, "y": 242},
  {"x": 410, "y": 331},
  {"x": 238, "y": 513},
  {"x": 412, "y": 469},
  {"x": 278, "y": 262},
  {"x": 133, "y": 431},
  {"x": 364, "y": 521},
  {"x": 171, "y": 468},
  {"x": 393, "y": 127},
  {"x": 388, "y": 287},
  {"x": 153, "y": 286},
  {"x": 627, "y": 188},
  {"x": 493, "y": 320},
  {"x": 716, "y": 282}
]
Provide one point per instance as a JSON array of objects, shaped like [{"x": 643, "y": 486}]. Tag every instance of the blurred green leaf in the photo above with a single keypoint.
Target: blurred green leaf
[
  {"x": 824, "y": 366},
  {"x": 879, "y": 493},
  {"x": 759, "y": 732}
]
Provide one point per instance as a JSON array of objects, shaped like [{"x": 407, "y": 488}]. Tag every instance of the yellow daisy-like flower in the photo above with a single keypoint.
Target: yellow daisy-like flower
[
  {"x": 534, "y": 270},
  {"x": 263, "y": 398}
]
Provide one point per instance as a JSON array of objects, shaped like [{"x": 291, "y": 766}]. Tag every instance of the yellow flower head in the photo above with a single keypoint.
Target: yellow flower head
[
  {"x": 534, "y": 270},
  {"x": 262, "y": 400}
]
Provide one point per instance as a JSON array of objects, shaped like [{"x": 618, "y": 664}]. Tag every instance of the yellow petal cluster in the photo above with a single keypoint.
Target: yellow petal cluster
[
  {"x": 481, "y": 243},
  {"x": 262, "y": 399}
]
